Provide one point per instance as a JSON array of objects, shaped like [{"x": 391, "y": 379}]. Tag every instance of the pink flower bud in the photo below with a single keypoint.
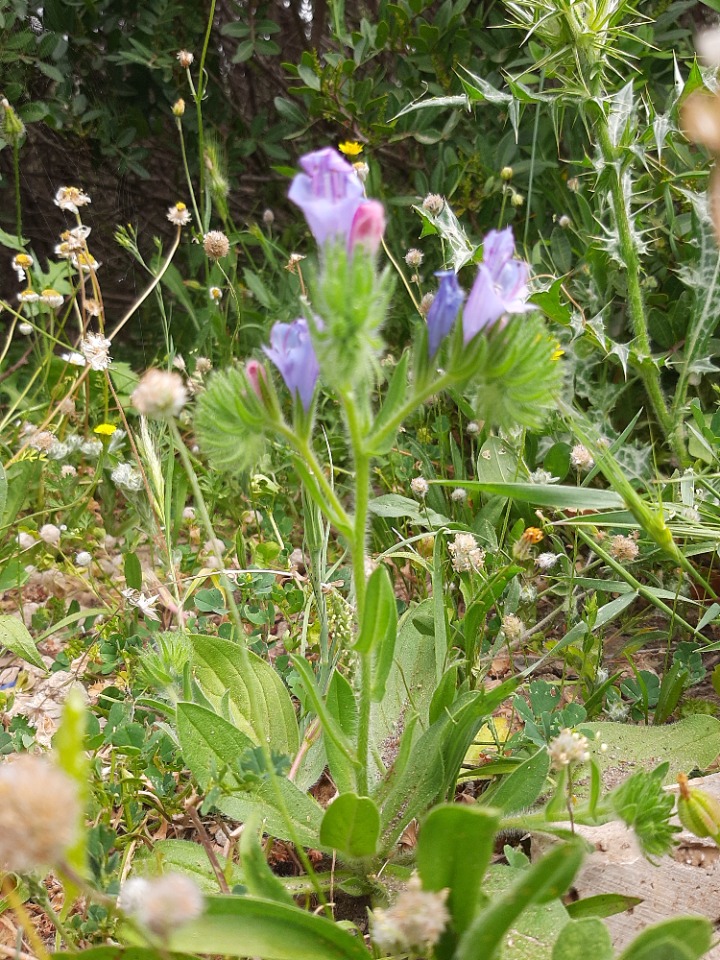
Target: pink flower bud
[
  {"x": 254, "y": 370},
  {"x": 368, "y": 226}
]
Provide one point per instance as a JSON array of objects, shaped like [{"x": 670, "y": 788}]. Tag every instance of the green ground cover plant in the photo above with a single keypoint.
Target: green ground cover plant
[{"x": 392, "y": 545}]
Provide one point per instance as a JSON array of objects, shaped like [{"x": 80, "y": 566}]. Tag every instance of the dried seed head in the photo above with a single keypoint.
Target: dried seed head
[
  {"x": 162, "y": 903},
  {"x": 414, "y": 923},
  {"x": 568, "y": 748},
  {"x": 216, "y": 245},
  {"x": 623, "y": 548},
  {"x": 185, "y": 58},
  {"x": 466, "y": 554},
  {"x": 433, "y": 204}
]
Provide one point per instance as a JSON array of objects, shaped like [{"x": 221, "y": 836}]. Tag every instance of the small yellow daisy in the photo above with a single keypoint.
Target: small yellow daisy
[
  {"x": 351, "y": 148},
  {"x": 105, "y": 429}
]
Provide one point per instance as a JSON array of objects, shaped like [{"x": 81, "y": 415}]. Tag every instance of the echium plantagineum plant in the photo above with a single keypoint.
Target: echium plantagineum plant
[{"x": 495, "y": 349}]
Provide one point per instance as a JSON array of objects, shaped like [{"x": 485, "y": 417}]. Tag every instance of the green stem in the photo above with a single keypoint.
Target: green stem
[
  {"x": 649, "y": 373},
  {"x": 188, "y": 178},
  {"x": 198, "y": 105},
  {"x": 420, "y": 395},
  {"x": 253, "y": 701},
  {"x": 18, "y": 201}
]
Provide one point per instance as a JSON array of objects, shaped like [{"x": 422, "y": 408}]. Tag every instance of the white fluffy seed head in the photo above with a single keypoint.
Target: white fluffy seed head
[
  {"x": 39, "y": 814},
  {"x": 567, "y": 749},
  {"x": 162, "y": 903},
  {"x": 160, "y": 394},
  {"x": 415, "y": 921}
]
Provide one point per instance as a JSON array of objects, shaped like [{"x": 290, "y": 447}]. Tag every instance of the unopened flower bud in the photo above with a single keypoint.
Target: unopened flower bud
[
  {"x": 368, "y": 226},
  {"x": 517, "y": 199},
  {"x": 178, "y": 108},
  {"x": 254, "y": 370},
  {"x": 13, "y": 128},
  {"x": 698, "y": 811},
  {"x": 506, "y": 173},
  {"x": 268, "y": 217}
]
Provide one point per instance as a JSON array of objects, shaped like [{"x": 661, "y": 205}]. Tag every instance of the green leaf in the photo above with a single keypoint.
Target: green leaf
[
  {"x": 454, "y": 849},
  {"x": 539, "y": 883},
  {"x": 248, "y": 927},
  {"x": 351, "y": 825},
  {"x": 185, "y": 856},
  {"x": 219, "y": 670},
  {"x": 394, "y": 398},
  {"x": 545, "y": 494},
  {"x": 341, "y": 705},
  {"x": 581, "y": 939},
  {"x": 304, "y": 814},
  {"x": 683, "y": 938},
  {"x": 133, "y": 571},
  {"x": 15, "y": 637},
  {"x": 209, "y": 742},
  {"x": 379, "y": 624},
  {"x": 258, "y": 877},
  {"x": 69, "y": 744},
  {"x": 22, "y": 477},
  {"x": 602, "y": 905},
  {"x": 691, "y": 742},
  {"x": 520, "y": 789},
  {"x": 331, "y": 728}
]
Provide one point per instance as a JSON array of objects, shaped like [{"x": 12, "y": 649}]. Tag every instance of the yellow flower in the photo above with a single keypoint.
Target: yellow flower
[
  {"x": 105, "y": 429},
  {"x": 533, "y": 535},
  {"x": 558, "y": 352},
  {"x": 351, "y": 148}
]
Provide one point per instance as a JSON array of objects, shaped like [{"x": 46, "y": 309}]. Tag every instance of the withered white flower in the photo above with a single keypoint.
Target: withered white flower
[
  {"x": 146, "y": 605},
  {"x": 95, "y": 349},
  {"x": 71, "y": 198}
]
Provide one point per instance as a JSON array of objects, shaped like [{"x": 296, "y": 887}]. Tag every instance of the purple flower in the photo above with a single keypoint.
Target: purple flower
[
  {"x": 444, "y": 309},
  {"x": 292, "y": 352},
  {"x": 329, "y": 193},
  {"x": 501, "y": 285}
]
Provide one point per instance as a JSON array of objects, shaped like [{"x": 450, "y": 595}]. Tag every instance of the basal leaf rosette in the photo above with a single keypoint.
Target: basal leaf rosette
[
  {"x": 517, "y": 374},
  {"x": 230, "y": 418}
]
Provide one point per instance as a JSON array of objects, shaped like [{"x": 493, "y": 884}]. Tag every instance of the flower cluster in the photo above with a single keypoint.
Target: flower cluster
[
  {"x": 500, "y": 289},
  {"x": 162, "y": 903},
  {"x": 466, "y": 554},
  {"x": 567, "y": 749}
]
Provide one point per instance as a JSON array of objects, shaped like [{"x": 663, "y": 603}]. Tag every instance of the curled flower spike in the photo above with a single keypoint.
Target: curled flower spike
[
  {"x": 500, "y": 288},
  {"x": 292, "y": 352}
]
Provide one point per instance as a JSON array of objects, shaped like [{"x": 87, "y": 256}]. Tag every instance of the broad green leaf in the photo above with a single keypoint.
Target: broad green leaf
[
  {"x": 691, "y": 742},
  {"x": 332, "y": 729},
  {"x": 545, "y": 494},
  {"x": 209, "y": 742},
  {"x": 15, "y": 637},
  {"x": 351, "y": 825},
  {"x": 581, "y": 939},
  {"x": 114, "y": 952},
  {"x": 304, "y": 814},
  {"x": 219, "y": 670},
  {"x": 258, "y": 877},
  {"x": 520, "y": 789},
  {"x": 431, "y": 768},
  {"x": 496, "y": 463},
  {"x": 185, "y": 856},
  {"x": 601, "y": 905},
  {"x": 132, "y": 571},
  {"x": 543, "y": 881},
  {"x": 393, "y": 506},
  {"x": 454, "y": 849},
  {"x": 411, "y": 680},
  {"x": 22, "y": 477},
  {"x": 683, "y": 938},
  {"x": 249, "y": 927},
  {"x": 532, "y": 935}
]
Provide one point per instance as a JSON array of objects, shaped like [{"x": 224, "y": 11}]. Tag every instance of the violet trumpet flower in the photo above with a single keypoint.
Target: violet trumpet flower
[
  {"x": 329, "y": 193},
  {"x": 500, "y": 288},
  {"x": 292, "y": 352},
  {"x": 444, "y": 309}
]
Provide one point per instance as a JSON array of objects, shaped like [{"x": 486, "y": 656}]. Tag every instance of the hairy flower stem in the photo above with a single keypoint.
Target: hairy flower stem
[
  {"x": 647, "y": 370},
  {"x": 360, "y": 519},
  {"x": 253, "y": 703}
]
